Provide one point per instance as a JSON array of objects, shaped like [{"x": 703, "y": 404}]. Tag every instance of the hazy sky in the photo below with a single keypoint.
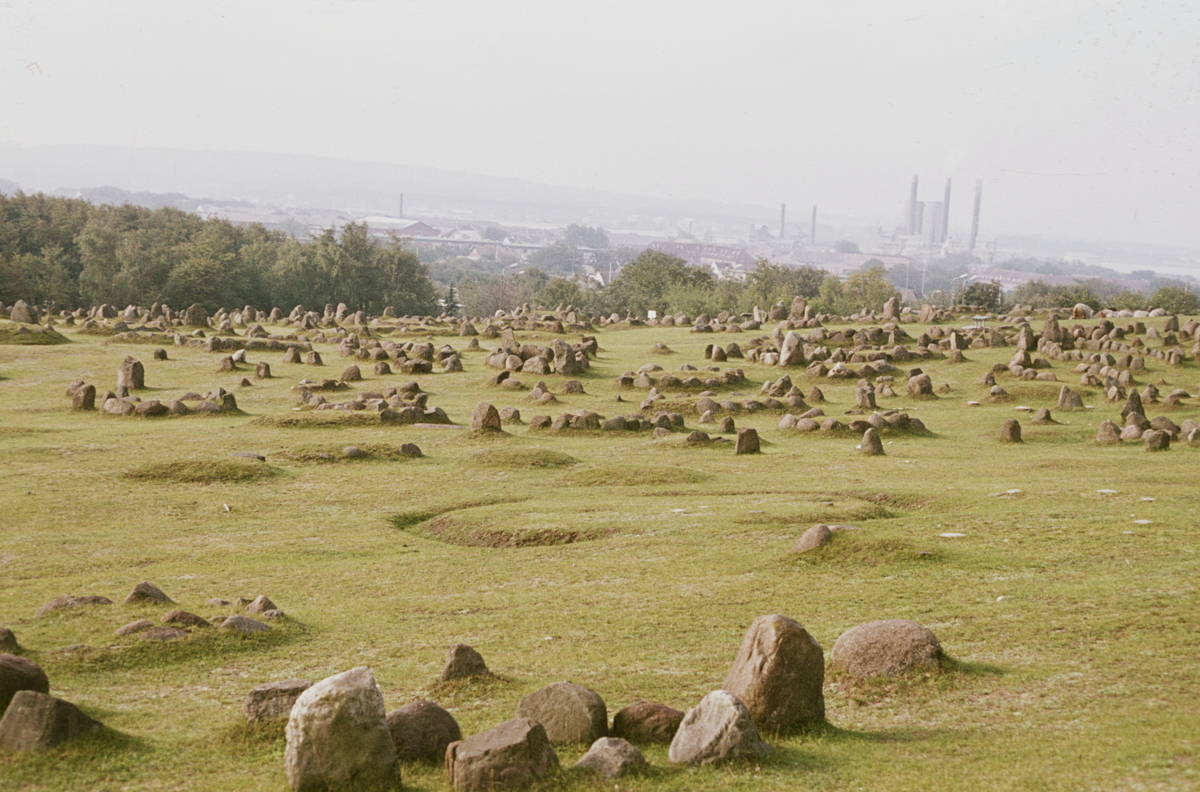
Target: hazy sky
[{"x": 1080, "y": 117}]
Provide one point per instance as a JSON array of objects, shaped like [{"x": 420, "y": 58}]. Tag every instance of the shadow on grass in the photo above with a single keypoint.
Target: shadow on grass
[
  {"x": 952, "y": 666},
  {"x": 829, "y": 734}
]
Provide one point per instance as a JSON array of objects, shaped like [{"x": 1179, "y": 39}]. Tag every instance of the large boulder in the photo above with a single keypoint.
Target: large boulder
[
  {"x": 718, "y": 728},
  {"x": 19, "y": 673},
  {"x": 568, "y": 712},
  {"x": 421, "y": 731},
  {"x": 512, "y": 755},
  {"x": 34, "y": 721},
  {"x": 24, "y": 313},
  {"x": 891, "y": 647},
  {"x": 779, "y": 674},
  {"x": 337, "y": 736}
]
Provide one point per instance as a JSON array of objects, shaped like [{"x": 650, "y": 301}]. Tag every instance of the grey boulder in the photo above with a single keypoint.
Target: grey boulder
[
  {"x": 337, "y": 736},
  {"x": 779, "y": 674},
  {"x": 568, "y": 712},
  {"x": 717, "y": 729}
]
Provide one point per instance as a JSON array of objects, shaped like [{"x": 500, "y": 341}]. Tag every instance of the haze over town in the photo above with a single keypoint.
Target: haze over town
[{"x": 1078, "y": 118}]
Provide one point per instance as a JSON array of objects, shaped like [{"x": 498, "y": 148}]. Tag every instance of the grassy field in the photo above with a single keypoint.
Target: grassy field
[{"x": 1071, "y": 614}]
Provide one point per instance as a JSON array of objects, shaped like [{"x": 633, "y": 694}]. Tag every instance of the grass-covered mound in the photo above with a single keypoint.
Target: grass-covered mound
[
  {"x": 28, "y": 335},
  {"x": 222, "y": 471}
]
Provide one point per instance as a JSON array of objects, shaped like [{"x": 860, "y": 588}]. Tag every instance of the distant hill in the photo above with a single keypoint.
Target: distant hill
[{"x": 306, "y": 181}]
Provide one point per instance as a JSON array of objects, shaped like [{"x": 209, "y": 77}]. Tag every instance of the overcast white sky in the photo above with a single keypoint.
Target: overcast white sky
[{"x": 1080, "y": 117}]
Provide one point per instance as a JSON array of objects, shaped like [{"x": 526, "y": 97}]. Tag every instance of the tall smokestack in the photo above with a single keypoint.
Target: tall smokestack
[
  {"x": 782, "y": 217},
  {"x": 975, "y": 215},
  {"x": 401, "y": 205},
  {"x": 946, "y": 214},
  {"x": 912, "y": 209},
  {"x": 813, "y": 236}
]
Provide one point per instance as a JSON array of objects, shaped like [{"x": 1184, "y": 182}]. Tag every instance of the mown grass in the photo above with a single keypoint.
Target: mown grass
[{"x": 1071, "y": 627}]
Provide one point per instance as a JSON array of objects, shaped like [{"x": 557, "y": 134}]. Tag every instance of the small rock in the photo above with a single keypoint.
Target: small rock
[
  {"x": 273, "y": 700},
  {"x": 163, "y": 634},
  {"x": 260, "y": 604},
  {"x": 643, "y": 722},
  {"x": 183, "y": 618},
  {"x": 244, "y": 625},
  {"x": 613, "y": 757},
  {"x": 134, "y": 627}
]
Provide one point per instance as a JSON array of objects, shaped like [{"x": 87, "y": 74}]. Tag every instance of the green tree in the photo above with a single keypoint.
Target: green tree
[
  {"x": 642, "y": 284},
  {"x": 1178, "y": 299},
  {"x": 769, "y": 283},
  {"x": 846, "y": 246},
  {"x": 869, "y": 288},
  {"x": 984, "y": 294},
  {"x": 585, "y": 236}
]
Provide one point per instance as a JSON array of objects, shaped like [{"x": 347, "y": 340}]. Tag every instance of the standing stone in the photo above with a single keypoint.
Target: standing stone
[
  {"x": 645, "y": 722},
  {"x": 23, "y": 313},
  {"x": 147, "y": 592},
  {"x": 791, "y": 351},
  {"x": 886, "y": 648},
  {"x": 195, "y": 316},
  {"x": 718, "y": 728},
  {"x": 421, "y": 731},
  {"x": 1157, "y": 440},
  {"x": 486, "y": 418},
  {"x": 18, "y": 673},
  {"x": 84, "y": 398},
  {"x": 1108, "y": 433},
  {"x": 920, "y": 386},
  {"x": 613, "y": 757},
  {"x": 262, "y": 370},
  {"x": 779, "y": 673},
  {"x": 871, "y": 445},
  {"x": 131, "y": 375},
  {"x": 273, "y": 700},
  {"x": 817, "y": 536},
  {"x": 337, "y": 736},
  {"x": 463, "y": 662},
  {"x": 568, "y": 712},
  {"x": 512, "y": 755},
  {"x": 1010, "y": 431},
  {"x": 747, "y": 442},
  {"x": 1069, "y": 399},
  {"x": 35, "y": 721}
]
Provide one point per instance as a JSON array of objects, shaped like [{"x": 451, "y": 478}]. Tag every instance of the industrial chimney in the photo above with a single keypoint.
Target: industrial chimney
[
  {"x": 945, "y": 214},
  {"x": 812, "y": 239},
  {"x": 782, "y": 217},
  {"x": 975, "y": 215},
  {"x": 913, "y": 219}
]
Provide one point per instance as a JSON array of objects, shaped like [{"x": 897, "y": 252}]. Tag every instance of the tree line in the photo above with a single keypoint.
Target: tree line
[{"x": 66, "y": 253}]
